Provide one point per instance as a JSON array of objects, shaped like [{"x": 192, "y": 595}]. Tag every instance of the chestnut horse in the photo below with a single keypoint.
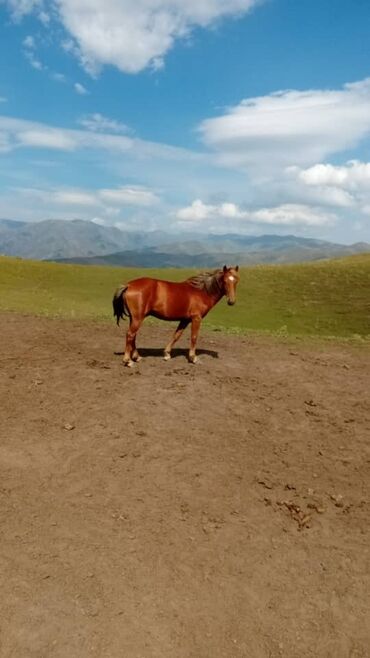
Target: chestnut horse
[{"x": 185, "y": 302}]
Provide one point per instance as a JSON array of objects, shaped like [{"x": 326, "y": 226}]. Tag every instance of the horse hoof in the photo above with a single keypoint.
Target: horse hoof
[
  {"x": 128, "y": 364},
  {"x": 193, "y": 359},
  {"x": 137, "y": 358},
  {"x": 167, "y": 356}
]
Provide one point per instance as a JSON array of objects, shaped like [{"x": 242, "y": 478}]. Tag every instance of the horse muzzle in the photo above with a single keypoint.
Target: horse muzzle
[{"x": 231, "y": 302}]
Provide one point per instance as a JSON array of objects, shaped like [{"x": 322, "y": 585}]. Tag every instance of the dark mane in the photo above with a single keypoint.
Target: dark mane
[{"x": 207, "y": 281}]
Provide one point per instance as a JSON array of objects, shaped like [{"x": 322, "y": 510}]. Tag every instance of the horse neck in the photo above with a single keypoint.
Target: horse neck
[{"x": 216, "y": 295}]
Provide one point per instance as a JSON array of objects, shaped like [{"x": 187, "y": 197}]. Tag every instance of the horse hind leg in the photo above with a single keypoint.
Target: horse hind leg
[
  {"x": 131, "y": 354},
  {"x": 176, "y": 336},
  {"x": 135, "y": 354}
]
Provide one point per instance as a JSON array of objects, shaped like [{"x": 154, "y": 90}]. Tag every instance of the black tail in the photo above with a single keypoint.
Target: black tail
[{"x": 120, "y": 307}]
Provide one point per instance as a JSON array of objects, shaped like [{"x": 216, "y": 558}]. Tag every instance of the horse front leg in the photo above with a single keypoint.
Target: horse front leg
[
  {"x": 195, "y": 326},
  {"x": 178, "y": 333},
  {"x": 131, "y": 354}
]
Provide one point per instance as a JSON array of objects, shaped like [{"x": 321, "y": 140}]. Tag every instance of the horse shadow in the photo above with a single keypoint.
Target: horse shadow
[{"x": 158, "y": 352}]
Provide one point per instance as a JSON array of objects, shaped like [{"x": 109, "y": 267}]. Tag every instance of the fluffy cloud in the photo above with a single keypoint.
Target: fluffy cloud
[
  {"x": 80, "y": 89},
  {"x": 29, "y": 42},
  {"x": 288, "y": 214},
  {"x": 346, "y": 185},
  {"x": 99, "y": 123},
  {"x": 353, "y": 175},
  {"x": 290, "y": 127},
  {"x": 20, "y": 8},
  {"x": 29, "y": 46},
  {"x": 129, "y": 35}
]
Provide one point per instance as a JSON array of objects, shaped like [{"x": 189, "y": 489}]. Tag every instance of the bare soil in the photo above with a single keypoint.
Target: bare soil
[{"x": 177, "y": 510}]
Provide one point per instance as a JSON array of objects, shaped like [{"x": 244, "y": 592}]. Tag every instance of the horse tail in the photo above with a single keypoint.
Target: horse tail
[{"x": 120, "y": 307}]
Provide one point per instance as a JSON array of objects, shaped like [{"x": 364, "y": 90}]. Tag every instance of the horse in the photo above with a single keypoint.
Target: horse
[{"x": 185, "y": 302}]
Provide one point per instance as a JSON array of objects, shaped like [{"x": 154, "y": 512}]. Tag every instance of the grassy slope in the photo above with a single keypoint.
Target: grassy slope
[{"x": 328, "y": 298}]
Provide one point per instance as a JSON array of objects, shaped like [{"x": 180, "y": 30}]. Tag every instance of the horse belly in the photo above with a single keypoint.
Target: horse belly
[
  {"x": 164, "y": 311},
  {"x": 170, "y": 302}
]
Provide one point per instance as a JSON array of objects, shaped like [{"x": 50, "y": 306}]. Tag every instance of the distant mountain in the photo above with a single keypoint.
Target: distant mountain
[
  {"x": 10, "y": 225},
  {"x": 183, "y": 255},
  {"x": 85, "y": 242},
  {"x": 55, "y": 239}
]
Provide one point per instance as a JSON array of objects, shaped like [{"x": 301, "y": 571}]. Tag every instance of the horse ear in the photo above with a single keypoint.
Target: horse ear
[
  {"x": 236, "y": 268},
  {"x": 225, "y": 269}
]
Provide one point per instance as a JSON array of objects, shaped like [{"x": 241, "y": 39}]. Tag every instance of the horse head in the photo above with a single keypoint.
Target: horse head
[{"x": 230, "y": 278}]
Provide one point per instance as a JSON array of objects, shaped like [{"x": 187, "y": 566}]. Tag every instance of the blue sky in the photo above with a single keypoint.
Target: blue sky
[{"x": 211, "y": 115}]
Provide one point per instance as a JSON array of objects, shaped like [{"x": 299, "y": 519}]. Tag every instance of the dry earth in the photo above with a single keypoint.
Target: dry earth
[{"x": 179, "y": 511}]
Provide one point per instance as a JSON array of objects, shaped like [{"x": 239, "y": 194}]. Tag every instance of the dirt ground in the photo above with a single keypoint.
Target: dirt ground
[{"x": 182, "y": 511}]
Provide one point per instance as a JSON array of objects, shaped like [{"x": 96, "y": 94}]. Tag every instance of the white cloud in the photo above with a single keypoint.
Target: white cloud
[
  {"x": 290, "y": 127},
  {"x": 119, "y": 197},
  {"x": 19, "y": 132},
  {"x": 58, "y": 77},
  {"x": 29, "y": 42},
  {"x": 99, "y": 123},
  {"x": 20, "y": 8},
  {"x": 196, "y": 212},
  {"x": 44, "y": 17},
  {"x": 130, "y": 35},
  {"x": 46, "y": 138},
  {"x": 134, "y": 35},
  {"x": 74, "y": 198},
  {"x": 29, "y": 46},
  {"x": 35, "y": 63},
  {"x": 344, "y": 185},
  {"x": 80, "y": 89},
  {"x": 288, "y": 214},
  {"x": 353, "y": 175},
  {"x": 134, "y": 196}
]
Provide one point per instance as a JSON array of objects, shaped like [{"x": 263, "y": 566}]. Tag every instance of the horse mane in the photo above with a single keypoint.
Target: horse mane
[{"x": 207, "y": 281}]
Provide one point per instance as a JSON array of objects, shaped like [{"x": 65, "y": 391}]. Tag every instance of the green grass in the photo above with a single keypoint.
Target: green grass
[{"x": 326, "y": 298}]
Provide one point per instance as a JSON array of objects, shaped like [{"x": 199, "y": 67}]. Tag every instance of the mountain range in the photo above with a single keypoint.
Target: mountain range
[{"x": 89, "y": 243}]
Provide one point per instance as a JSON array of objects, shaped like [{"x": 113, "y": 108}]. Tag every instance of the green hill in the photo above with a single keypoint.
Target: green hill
[{"x": 326, "y": 298}]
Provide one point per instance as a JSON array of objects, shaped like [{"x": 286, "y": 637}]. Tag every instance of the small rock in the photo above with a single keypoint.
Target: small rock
[
  {"x": 303, "y": 523},
  {"x": 318, "y": 508},
  {"x": 265, "y": 483},
  {"x": 337, "y": 499},
  {"x": 69, "y": 427}
]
